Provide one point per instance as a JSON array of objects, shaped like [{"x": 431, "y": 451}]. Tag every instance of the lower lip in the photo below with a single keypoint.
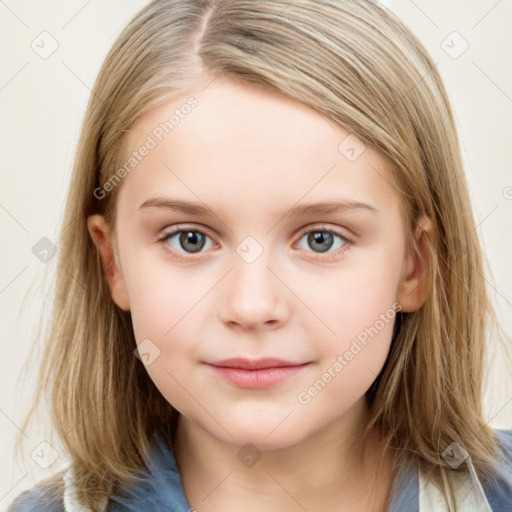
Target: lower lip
[{"x": 262, "y": 378}]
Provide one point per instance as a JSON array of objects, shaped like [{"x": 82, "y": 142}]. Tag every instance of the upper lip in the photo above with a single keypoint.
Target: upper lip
[{"x": 253, "y": 364}]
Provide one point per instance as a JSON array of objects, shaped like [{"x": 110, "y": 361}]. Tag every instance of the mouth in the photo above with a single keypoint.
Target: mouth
[{"x": 259, "y": 373}]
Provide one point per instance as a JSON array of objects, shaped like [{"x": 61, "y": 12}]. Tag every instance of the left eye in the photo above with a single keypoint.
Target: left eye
[
  {"x": 191, "y": 240},
  {"x": 323, "y": 240}
]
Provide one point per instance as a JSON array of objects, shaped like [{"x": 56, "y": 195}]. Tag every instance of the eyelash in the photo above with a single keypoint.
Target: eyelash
[{"x": 329, "y": 256}]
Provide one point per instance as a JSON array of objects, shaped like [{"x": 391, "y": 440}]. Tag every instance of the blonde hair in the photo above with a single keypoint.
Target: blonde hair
[{"x": 354, "y": 62}]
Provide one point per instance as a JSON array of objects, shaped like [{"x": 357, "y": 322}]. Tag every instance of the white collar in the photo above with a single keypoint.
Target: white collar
[{"x": 468, "y": 491}]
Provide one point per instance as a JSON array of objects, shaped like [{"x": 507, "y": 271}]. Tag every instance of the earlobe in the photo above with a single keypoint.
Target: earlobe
[
  {"x": 413, "y": 288},
  {"x": 101, "y": 236}
]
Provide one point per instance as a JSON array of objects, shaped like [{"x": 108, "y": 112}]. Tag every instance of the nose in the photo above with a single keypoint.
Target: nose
[{"x": 253, "y": 296}]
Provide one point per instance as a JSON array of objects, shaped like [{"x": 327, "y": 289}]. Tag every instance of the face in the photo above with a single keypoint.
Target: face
[{"x": 253, "y": 274}]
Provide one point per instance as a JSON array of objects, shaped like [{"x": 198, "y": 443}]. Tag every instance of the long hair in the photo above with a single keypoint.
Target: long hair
[{"x": 355, "y": 63}]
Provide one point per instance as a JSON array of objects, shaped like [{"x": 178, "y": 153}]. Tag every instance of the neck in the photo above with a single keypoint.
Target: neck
[{"x": 328, "y": 470}]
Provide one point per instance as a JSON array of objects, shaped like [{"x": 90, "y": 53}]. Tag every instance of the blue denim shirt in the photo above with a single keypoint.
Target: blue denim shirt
[{"x": 161, "y": 489}]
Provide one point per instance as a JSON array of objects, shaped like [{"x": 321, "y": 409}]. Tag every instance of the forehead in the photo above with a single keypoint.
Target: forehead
[{"x": 251, "y": 149}]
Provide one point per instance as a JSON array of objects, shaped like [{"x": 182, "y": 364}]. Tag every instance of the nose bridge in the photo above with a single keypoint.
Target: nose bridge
[{"x": 253, "y": 294}]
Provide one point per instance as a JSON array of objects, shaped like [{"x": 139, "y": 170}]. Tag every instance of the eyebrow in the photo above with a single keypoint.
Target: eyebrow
[{"x": 321, "y": 208}]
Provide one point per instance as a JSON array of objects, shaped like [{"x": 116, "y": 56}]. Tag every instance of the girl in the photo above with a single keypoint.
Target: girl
[{"x": 258, "y": 371}]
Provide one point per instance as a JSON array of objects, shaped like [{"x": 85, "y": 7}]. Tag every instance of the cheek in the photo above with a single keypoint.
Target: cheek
[
  {"x": 359, "y": 308},
  {"x": 351, "y": 359},
  {"x": 164, "y": 304},
  {"x": 355, "y": 295},
  {"x": 160, "y": 294}
]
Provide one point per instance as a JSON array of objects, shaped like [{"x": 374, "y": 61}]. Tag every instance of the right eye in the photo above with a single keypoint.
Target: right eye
[{"x": 189, "y": 241}]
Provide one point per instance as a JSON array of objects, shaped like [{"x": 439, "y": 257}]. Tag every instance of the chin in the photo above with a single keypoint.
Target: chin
[{"x": 264, "y": 434}]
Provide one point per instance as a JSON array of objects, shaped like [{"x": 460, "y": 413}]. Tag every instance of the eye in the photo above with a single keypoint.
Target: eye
[
  {"x": 188, "y": 241},
  {"x": 183, "y": 242},
  {"x": 323, "y": 240}
]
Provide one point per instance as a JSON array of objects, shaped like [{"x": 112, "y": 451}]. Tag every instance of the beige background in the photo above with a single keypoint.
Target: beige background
[{"x": 42, "y": 101}]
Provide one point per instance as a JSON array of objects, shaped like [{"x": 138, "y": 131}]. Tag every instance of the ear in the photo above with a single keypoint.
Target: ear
[
  {"x": 101, "y": 236},
  {"x": 413, "y": 287}
]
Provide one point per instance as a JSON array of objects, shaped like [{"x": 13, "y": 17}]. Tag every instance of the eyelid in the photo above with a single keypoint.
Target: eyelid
[
  {"x": 323, "y": 227},
  {"x": 168, "y": 233},
  {"x": 303, "y": 231}
]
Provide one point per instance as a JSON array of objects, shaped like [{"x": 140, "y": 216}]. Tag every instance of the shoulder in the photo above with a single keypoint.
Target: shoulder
[
  {"x": 499, "y": 490},
  {"x": 45, "y": 496},
  {"x": 505, "y": 440}
]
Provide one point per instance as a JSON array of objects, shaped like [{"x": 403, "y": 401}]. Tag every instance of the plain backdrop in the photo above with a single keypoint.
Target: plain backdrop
[{"x": 42, "y": 101}]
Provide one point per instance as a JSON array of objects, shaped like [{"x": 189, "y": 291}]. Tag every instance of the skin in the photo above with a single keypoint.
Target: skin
[{"x": 251, "y": 156}]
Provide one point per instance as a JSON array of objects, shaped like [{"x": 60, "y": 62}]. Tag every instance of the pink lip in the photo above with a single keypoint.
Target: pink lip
[{"x": 261, "y": 373}]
